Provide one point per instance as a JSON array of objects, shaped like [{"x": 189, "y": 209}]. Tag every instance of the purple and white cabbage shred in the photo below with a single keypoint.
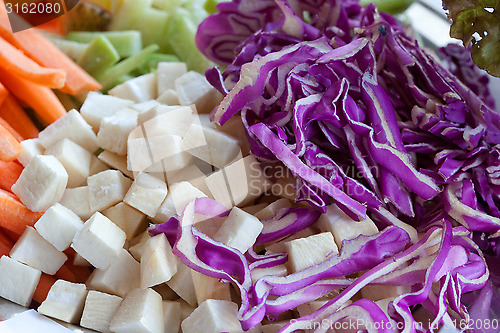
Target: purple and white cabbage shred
[{"x": 325, "y": 86}]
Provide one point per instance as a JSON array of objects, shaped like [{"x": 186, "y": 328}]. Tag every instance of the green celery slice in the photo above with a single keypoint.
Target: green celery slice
[
  {"x": 126, "y": 43},
  {"x": 99, "y": 56}
]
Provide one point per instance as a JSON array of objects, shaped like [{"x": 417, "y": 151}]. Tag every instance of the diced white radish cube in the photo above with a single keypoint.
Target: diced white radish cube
[
  {"x": 71, "y": 126},
  {"x": 309, "y": 251},
  {"x": 98, "y": 106},
  {"x": 17, "y": 281},
  {"x": 78, "y": 260},
  {"x": 182, "y": 283},
  {"x": 145, "y": 106},
  {"x": 107, "y": 188},
  {"x": 271, "y": 209},
  {"x": 208, "y": 226},
  {"x": 378, "y": 292},
  {"x": 172, "y": 315},
  {"x": 187, "y": 174},
  {"x": 64, "y": 301},
  {"x": 207, "y": 287},
  {"x": 167, "y": 73},
  {"x": 99, "y": 310},
  {"x": 179, "y": 195},
  {"x": 210, "y": 145},
  {"x": 239, "y": 230},
  {"x": 119, "y": 278},
  {"x": 34, "y": 251},
  {"x": 136, "y": 245},
  {"x": 343, "y": 227},
  {"x": 258, "y": 273},
  {"x": 100, "y": 241},
  {"x": 78, "y": 200},
  {"x": 214, "y": 316},
  {"x": 155, "y": 112},
  {"x": 175, "y": 121},
  {"x": 158, "y": 263},
  {"x": 146, "y": 194},
  {"x": 31, "y": 147},
  {"x": 238, "y": 183},
  {"x": 139, "y": 89},
  {"x": 42, "y": 183},
  {"x": 127, "y": 218},
  {"x": 193, "y": 88},
  {"x": 115, "y": 129},
  {"x": 96, "y": 166},
  {"x": 281, "y": 247},
  {"x": 59, "y": 225},
  {"x": 140, "y": 312},
  {"x": 169, "y": 97},
  {"x": 75, "y": 159},
  {"x": 116, "y": 161}
]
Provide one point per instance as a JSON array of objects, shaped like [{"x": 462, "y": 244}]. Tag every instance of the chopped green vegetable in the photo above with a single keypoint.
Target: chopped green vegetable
[
  {"x": 478, "y": 22},
  {"x": 151, "y": 63},
  {"x": 99, "y": 56},
  {"x": 389, "y": 6},
  {"x": 126, "y": 43},
  {"x": 124, "y": 67},
  {"x": 72, "y": 49}
]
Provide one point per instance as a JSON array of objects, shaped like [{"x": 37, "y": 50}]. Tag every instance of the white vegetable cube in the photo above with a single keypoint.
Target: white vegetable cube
[
  {"x": 78, "y": 201},
  {"x": 140, "y": 312},
  {"x": 71, "y": 126},
  {"x": 115, "y": 129},
  {"x": 146, "y": 194},
  {"x": 174, "y": 121},
  {"x": 378, "y": 292},
  {"x": 343, "y": 227},
  {"x": 167, "y": 73},
  {"x": 309, "y": 251},
  {"x": 99, "y": 310},
  {"x": 220, "y": 149},
  {"x": 182, "y": 284},
  {"x": 136, "y": 245},
  {"x": 98, "y": 106},
  {"x": 193, "y": 88},
  {"x": 78, "y": 260},
  {"x": 42, "y": 183},
  {"x": 116, "y": 161},
  {"x": 158, "y": 263},
  {"x": 258, "y": 273},
  {"x": 100, "y": 241},
  {"x": 145, "y": 106},
  {"x": 169, "y": 97},
  {"x": 64, "y": 301},
  {"x": 156, "y": 112},
  {"x": 59, "y": 225},
  {"x": 127, "y": 218},
  {"x": 75, "y": 159},
  {"x": 34, "y": 251},
  {"x": 96, "y": 166},
  {"x": 271, "y": 209},
  {"x": 238, "y": 183},
  {"x": 239, "y": 230},
  {"x": 120, "y": 278},
  {"x": 139, "y": 89},
  {"x": 17, "y": 281},
  {"x": 31, "y": 147},
  {"x": 213, "y": 316},
  {"x": 107, "y": 188},
  {"x": 179, "y": 195},
  {"x": 172, "y": 316},
  {"x": 207, "y": 287}
]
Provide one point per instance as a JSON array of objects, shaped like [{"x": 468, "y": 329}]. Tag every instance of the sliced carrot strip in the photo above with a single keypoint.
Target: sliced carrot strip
[
  {"x": 3, "y": 93},
  {"x": 11, "y": 130},
  {"x": 16, "y": 62},
  {"x": 14, "y": 114},
  {"x": 14, "y": 215},
  {"x": 9, "y": 173},
  {"x": 42, "y": 289},
  {"x": 5, "y": 244},
  {"x": 42, "y": 99},
  {"x": 10, "y": 148}
]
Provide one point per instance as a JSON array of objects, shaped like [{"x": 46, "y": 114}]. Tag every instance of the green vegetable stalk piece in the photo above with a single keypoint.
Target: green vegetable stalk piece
[
  {"x": 126, "y": 43},
  {"x": 478, "y": 22},
  {"x": 124, "y": 67},
  {"x": 99, "y": 56},
  {"x": 389, "y": 6},
  {"x": 74, "y": 50}
]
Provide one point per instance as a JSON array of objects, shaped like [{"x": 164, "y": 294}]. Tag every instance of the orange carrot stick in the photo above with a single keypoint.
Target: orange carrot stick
[
  {"x": 42, "y": 50},
  {"x": 41, "y": 99},
  {"x": 11, "y": 130},
  {"x": 9, "y": 173},
  {"x": 14, "y": 215},
  {"x": 14, "y": 114},
  {"x": 5, "y": 244},
  {"x": 43, "y": 287},
  {"x": 17, "y": 63},
  {"x": 64, "y": 273},
  {"x": 10, "y": 148},
  {"x": 3, "y": 93}
]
